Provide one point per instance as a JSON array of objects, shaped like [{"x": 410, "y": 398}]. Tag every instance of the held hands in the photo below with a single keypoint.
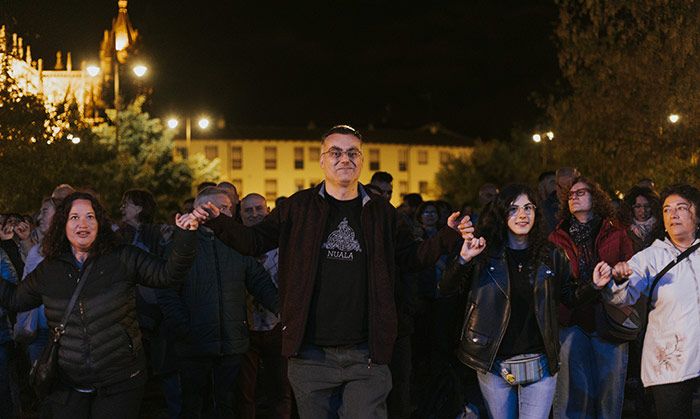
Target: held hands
[
  {"x": 7, "y": 232},
  {"x": 187, "y": 221},
  {"x": 23, "y": 230},
  {"x": 472, "y": 248},
  {"x": 602, "y": 273},
  {"x": 463, "y": 227},
  {"x": 205, "y": 212}
]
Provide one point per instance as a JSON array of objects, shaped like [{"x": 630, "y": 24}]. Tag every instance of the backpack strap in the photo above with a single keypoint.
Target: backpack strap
[{"x": 667, "y": 268}]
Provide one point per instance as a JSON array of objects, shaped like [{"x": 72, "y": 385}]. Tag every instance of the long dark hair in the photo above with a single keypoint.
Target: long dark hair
[
  {"x": 493, "y": 224},
  {"x": 56, "y": 243}
]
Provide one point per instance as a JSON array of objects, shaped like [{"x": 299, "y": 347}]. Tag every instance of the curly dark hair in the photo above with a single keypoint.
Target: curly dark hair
[
  {"x": 602, "y": 205},
  {"x": 493, "y": 224},
  {"x": 56, "y": 243}
]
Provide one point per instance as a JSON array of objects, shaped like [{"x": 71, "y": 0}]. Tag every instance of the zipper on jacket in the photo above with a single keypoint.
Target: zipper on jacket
[
  {"x": 314, "y": 267},
  {"x": 221, "y": 298},
  {"x": 81, "y": 309},
  {"x": 505, "y": 322}
]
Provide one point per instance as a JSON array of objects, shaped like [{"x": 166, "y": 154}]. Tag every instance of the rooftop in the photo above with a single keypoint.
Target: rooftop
[{"x": 427, "y": 135}]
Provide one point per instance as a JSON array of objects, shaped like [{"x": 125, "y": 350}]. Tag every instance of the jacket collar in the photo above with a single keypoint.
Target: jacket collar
[{"x": 321, "y": 190}]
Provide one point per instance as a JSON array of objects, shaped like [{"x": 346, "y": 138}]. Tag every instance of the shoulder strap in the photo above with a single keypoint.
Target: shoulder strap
[
  {"x": 667, "y": 268},
  {"x": 60, "y": 329}
]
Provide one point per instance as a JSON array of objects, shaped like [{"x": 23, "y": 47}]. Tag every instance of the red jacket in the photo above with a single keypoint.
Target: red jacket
[
  {"x": 297, "y": 227},
  {"x": 612, "y": 245}
]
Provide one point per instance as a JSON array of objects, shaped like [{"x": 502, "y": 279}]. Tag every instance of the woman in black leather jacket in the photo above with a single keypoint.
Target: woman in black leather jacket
[
  {"x": 101, "y": 363},
  {"x": 515, "y": 280}
]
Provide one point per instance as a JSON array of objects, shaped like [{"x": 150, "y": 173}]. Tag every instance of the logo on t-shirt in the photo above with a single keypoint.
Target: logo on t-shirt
[{"x": 341, "y": 243}]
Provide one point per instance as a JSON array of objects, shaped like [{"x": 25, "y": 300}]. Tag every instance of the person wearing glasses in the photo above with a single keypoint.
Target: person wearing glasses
[
  {"x": 671, "y": 352},
  {"x": 338, "y": 251},
  {"x": 514, "y": 280},
  {"x": 592, "y": 376}
]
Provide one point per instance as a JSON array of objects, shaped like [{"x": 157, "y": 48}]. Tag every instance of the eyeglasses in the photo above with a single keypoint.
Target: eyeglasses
[
  {"x": 679, "y": 209},
  {"x": 578, "y": 193},
  {"x": 641, "y": 206},
  {"x": 528, "y": 209},
  {"x": 336, "y": 153}
]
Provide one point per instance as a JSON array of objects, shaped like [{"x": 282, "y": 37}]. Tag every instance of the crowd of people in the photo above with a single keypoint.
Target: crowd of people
[{"x": 550, "y": 300}]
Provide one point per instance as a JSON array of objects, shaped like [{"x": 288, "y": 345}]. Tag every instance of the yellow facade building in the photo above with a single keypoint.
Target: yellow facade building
[{"x": 277, "y": 162}]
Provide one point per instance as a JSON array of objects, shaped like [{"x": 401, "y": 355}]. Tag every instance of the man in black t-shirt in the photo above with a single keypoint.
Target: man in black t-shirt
[{"x": 338, "y": 251}]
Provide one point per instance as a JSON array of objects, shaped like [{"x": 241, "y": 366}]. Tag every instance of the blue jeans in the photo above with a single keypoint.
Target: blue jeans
[
  {"x": 332, "y": 382},
  {"x": 504, "y": 401},
  {"x": 591, "y": 380}
]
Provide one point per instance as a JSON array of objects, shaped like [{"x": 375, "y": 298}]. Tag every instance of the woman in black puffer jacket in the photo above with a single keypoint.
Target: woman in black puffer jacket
[
  {"x": 101, "y": 360},
  {"x": 514, "y": 280}
]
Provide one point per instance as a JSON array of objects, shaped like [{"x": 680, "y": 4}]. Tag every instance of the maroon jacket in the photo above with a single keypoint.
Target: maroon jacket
[
  {"x": 297, "y": 228},
  {"x": 612, "y": 245}
]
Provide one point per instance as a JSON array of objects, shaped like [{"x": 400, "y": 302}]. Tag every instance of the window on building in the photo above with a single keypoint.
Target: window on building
[
  {"x": 299, "y": 184},
  {"x": 271, "y": 158},
  {"x": 403, "y": 188},
  {"x": 211, "y": 152},
  {"x": 423, "y": 187},
  {"x": 182, "y": 152},
  {"x": 422, "y": 157},
  {"x": 270, "y": 189},
  {"x": 445, "y": 157},
  {"x": 314, "y": 153},
  {"x": 373, "y": 159},
  {"x": 236, "y": 157},
  {"x": 403, "y": 160},
  {"x": 298, "y": 157},
  {"x": 238, "y": 183}
]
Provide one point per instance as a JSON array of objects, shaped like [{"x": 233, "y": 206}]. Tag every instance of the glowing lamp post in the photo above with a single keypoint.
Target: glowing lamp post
[{"x": 203, "y": 124}]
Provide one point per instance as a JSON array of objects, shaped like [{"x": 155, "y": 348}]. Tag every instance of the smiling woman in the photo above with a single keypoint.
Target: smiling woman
[
  {"x": 101, "y": 363},
  {"x": 516, "y": 280}
]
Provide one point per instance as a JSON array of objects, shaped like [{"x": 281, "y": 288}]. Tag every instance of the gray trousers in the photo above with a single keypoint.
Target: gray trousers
[{"x": 339, "y": 382}]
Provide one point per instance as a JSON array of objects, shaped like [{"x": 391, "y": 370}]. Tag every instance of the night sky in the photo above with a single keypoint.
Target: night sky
[{"x": 470, "y": 65}]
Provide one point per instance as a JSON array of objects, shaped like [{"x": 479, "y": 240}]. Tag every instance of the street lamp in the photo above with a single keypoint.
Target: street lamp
[
  {"x": 673, "y": 118},
  {"x": 202, "y": 122},
  {"x": 538, "y": 137},
  {"x": 93, "y": 71},
  {"x": 140, "y": 71}
]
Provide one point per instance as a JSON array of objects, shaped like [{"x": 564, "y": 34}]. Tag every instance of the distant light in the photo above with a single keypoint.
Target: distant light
[
  {"x": 203, "y": 123},
  {"x": 140, "y": 70},
  {"x": 93, "y": 70},
  {"x": 121, "y": 41},
  {"x": 536, "y": 138},
  {"x": 550, "y": 135},
  {"x": 673, "y": 118},
  {"x": 75, "y": 140},
  {"x": 173, "y": 123}
]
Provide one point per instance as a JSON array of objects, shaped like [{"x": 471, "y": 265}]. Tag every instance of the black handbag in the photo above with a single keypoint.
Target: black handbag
[
  {"x": 43, "y": 374},
  {"x": 625, "y": 323}
]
